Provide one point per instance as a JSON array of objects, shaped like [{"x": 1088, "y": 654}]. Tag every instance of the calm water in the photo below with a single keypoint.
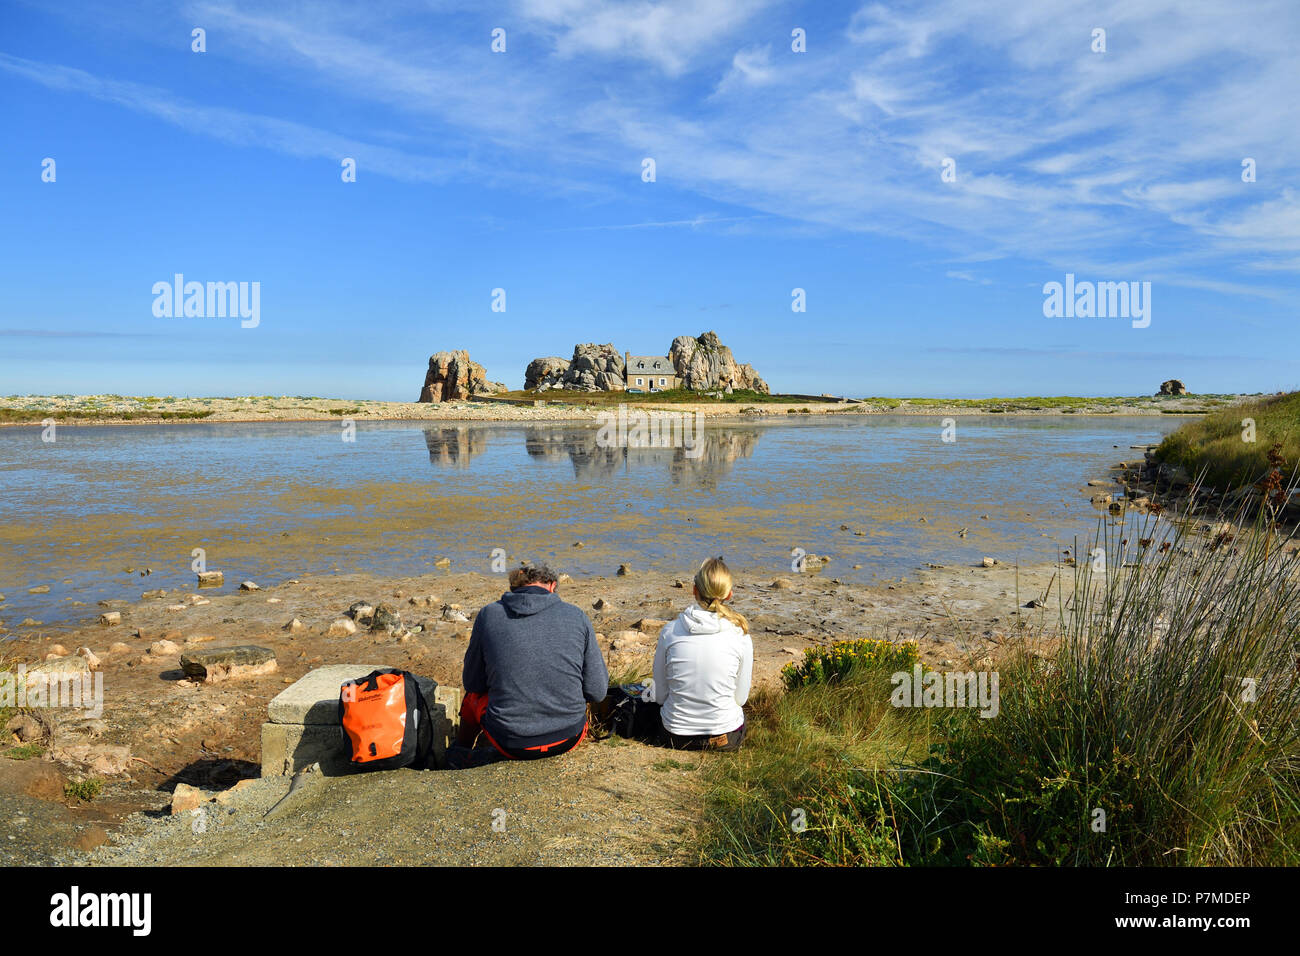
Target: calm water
[{"x": 272, "y": 501}]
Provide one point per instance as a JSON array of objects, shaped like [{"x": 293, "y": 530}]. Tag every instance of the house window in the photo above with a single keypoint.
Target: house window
[
  {"x": 663, "y": 381},
  {"x": 640, "y": 382}
]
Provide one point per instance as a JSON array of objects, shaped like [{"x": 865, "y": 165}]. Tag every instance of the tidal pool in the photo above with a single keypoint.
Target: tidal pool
[{"x": 278, "y": 500}]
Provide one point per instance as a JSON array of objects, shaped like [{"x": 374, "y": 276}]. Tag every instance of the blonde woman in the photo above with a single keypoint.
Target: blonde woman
[{"x": 703, "y": 665}]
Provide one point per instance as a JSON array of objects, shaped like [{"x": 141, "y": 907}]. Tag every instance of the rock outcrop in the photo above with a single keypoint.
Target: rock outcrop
[
  {"x": 703, "y": 363},
  {"x": 452, "y": 376},
  {"x": 543, "y": 373},
  {"x": 1172, "y": 387},
  {"x": 593, "y": 368}
]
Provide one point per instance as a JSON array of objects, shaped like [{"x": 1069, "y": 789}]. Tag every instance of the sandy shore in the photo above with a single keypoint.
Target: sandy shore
[
  {"x": 209, "y": 735},
  {"x": 116, "y": 409}
]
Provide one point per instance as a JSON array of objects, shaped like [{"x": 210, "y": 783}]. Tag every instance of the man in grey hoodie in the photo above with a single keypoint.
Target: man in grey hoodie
[{"x": 531, "y": 667}]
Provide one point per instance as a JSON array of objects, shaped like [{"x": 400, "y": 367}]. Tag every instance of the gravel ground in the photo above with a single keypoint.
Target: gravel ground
[{"x": 607, "y": 803}]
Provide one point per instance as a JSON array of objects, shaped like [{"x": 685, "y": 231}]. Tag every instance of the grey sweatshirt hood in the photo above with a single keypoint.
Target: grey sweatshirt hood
[{"x": 528, "y": 600}]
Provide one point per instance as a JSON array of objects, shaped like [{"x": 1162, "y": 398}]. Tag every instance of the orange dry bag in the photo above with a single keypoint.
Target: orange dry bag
[{"x": 385, "y": 721}]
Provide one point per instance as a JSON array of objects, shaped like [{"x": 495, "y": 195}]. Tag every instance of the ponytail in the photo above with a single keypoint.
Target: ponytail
[{"x": 712, "y": 584}]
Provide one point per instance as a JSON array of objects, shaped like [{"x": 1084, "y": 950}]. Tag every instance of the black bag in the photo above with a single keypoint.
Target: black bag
[{"x": 627, "y": 715}]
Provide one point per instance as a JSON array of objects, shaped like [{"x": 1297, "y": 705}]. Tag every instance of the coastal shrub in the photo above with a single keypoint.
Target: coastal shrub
[
  {"x": 84, "y": 790},
  {"x": 25, "y": 752},
  {"x": 825, "y": 665},
  {"x": 1173, "y": 708},
  {"x": 809, "y": 785},
  {"x": 1214, "y": 445},
  {"x": 1164, "y": 730}
]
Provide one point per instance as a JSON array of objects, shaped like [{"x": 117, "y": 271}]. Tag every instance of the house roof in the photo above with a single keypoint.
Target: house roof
[{"x": 650, "y": 365}]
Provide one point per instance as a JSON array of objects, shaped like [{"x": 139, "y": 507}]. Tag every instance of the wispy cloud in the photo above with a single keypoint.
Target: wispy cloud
[{"x": 1063, "y": 156}]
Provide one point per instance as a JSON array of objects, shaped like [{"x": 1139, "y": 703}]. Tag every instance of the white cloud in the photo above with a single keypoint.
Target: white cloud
[
  {"x": 669, "y": 34},
  {"x": 1064, "y": 157},
  {"x": 749, "y": 68}
]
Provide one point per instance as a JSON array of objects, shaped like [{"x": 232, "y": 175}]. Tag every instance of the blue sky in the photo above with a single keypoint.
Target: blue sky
[{"x": 775, "y": 170}]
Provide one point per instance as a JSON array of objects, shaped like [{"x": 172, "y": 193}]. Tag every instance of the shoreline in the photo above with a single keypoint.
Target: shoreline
[
  {"x": 77, "y": 411},
  {"x": 158, "y": 729}
]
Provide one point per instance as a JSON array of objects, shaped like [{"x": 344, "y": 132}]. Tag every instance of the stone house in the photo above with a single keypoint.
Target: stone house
[{"x": 649, "y": 373}]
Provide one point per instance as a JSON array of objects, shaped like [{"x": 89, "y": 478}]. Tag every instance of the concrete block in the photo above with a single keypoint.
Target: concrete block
[
  {"x": 314, "y": 698},
  {"x": 303, "y": 723}
]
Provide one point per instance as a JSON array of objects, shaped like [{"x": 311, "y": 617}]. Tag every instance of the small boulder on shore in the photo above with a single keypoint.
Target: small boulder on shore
[
  {"x": 361, "y": 612},
  {"x": 185, "y": 798},
  {"x": 385, "y": 618},
  {"x": 227, "y": 663},
  {"x": 343, "y": 627}
]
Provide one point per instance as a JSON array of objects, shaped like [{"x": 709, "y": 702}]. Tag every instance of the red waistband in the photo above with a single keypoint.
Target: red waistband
[{"x": 540, "y": 747}]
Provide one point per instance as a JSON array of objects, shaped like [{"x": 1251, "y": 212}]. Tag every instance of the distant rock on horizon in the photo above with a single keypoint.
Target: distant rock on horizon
[
  {"x": 593, "y": 368},
  {"x": 1172, "y": 387},
  {"x": 543, "y": 373},
  {"x": 453, "y": 376},
  {"x": 703, "y": 363}
]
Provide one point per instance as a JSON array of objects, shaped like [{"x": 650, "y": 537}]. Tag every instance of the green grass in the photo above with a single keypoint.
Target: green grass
[
  {"x": 1137, "y": 744},
  {"x": 663, "y": 766},
  {"x": 634, "y": 672},
  {"x": 807, "y": 786},
  {"x": 25, "y": 752},
  {"x": 1215, "y": 445},
  {"x": 84, "y": 790}
]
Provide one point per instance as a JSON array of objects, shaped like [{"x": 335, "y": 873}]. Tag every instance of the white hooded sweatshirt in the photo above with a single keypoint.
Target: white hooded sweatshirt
[{"x": 702, "y": 671}]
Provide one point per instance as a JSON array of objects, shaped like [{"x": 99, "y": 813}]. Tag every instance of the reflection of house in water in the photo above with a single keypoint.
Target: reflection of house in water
[
  {"x": 590, "y": 461},
  {"x": 717, "y": 449},
  {"x": 455, "y": 445}
]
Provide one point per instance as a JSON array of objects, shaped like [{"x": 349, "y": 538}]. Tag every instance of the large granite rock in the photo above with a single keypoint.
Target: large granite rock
[
  {"x": 452, "y": 376},
  {"x": 544, "y": 373},
  {"x": 1173, "y": 387},
  {"x": 594, "y": 368},
  {"x": 703, "y": 363}
]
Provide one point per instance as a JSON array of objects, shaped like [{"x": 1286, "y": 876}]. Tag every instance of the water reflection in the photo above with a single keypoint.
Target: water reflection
[
  {"x": 712, "y": 452},
  {"x": 455, "y": 445}
]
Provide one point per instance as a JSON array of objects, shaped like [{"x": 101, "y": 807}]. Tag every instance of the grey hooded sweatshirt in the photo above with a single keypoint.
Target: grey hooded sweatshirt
[{"x": 536, "y": 658}]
